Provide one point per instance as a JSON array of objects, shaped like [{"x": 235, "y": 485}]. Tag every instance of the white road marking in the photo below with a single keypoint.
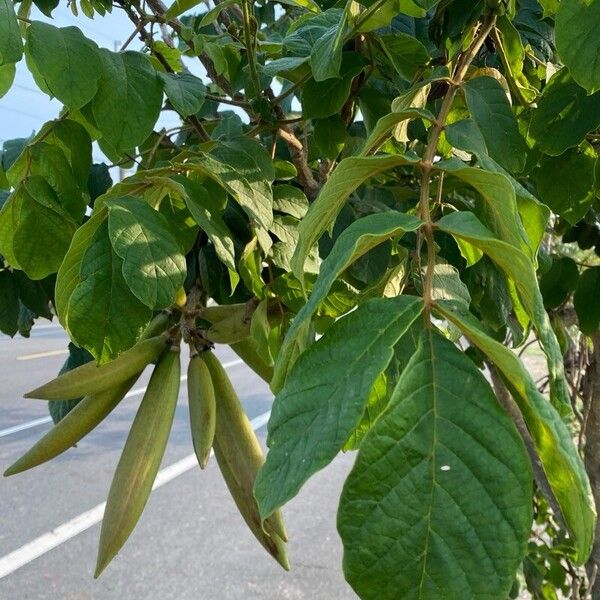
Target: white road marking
[
  {"x": 27, "y": 425},
  {"x": 43, "y": 354},
  {"x": 61, "y": 534},
  {"x": 131, "y": 394}
]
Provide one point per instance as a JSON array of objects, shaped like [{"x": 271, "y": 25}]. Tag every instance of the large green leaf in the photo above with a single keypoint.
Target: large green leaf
[
  {"x": 578, "y": 42},
  {"x": 438, "y": 504},
  {"x": 561, "y": 461},
  {"x": 153, "y": 265},
  {"x": 534, "y": 214},
  {"x": 50, "y": 162},
  {"x": 35, "y": 231},
  {"x": 499, "y": 209},
  {"x": 7, "y": 77},
  {"x": 566, "y": 183},
  {"x": 104, "y": 317},
  {"x": 564, "y": 115},
  {"x": 325, "y": 395},
  {"x": 354, "y": 242},
  {"x": 465, "y": 226},
  {"x": 64, "y": 62},
  {"x": 68, "y": 276},
  {"x": 386, "y": 125},
  {"x": 185, "y": 92},
  {"x": 247, "y": 171},
  {"x": 349, "y": 174},
  {"x": 405, "y": 52},
  {"x": 129, "y": 98},
  {"x": 490, "y": 109},
  {"x": 75, "y": 142},
  {"x": 326, "y": 53},
  {"x": 11, "y": 45},
  {"x": 322, "y": 99},
  {"x": 198, "y": 203}
]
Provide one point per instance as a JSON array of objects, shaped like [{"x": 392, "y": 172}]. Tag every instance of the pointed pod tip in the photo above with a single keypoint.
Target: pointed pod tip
[{"x": 10, "y": 471}]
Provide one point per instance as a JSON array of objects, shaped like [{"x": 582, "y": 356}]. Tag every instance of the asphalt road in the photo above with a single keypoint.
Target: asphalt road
[{"x": 190, "y": 541}]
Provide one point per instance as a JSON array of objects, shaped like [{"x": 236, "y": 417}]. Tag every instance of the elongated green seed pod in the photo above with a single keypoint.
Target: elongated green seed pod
[
  {"x": 246, "y": 350},
  {"x": 141, "y": 457},
  {"x": 247, "y": 507},
  {"x": 230, "y": 330},
  {"x": 237, "y": 439},
  {"x": 217, "y": 312},
  {"x": 202, "y": 407},
  {"x": 91, "y": 379},
  {"x": 91, "y": 411}
]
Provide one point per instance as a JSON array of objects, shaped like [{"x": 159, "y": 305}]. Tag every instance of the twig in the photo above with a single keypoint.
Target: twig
[{"x": 426, "y": 162}]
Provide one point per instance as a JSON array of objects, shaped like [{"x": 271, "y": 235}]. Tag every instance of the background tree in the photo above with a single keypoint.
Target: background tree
[{"x": 391, "y": 175}]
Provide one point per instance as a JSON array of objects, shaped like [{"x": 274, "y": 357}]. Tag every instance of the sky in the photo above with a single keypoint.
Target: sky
[{"x": 25, "y": 108}]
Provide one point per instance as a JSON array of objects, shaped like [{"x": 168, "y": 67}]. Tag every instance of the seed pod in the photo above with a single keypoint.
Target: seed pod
[
  {"x": 91, "y": 379},
  {"x": 246, "y": 504},
  {"x": 203, "y": 409},
  {"x": 237, "y": 440},
  {"x": 216, "y": 313},
  {"x": 230, "y": 330},
  {"x": 91, "y": 411},
  {"x": 246, "y": 350},
  {"x": 141, "y": 457}
]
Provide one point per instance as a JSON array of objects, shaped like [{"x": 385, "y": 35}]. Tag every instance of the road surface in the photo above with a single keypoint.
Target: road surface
[{"x": 190, "y": 541}]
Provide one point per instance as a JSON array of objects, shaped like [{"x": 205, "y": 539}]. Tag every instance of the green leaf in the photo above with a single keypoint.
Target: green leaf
[
  {"x": 49, "y": 161},
  {"x": 104, "y": 317},
  {"x": 65, "y": 60},
  {"x": 180, "y": 6},
  {"x": 577, "y": 41},
  {"x": 32, "y": 219},
  {"x": 438, "y": 504},
  {"x": 11, "y": 45},
  {"x": 387, "y": 125},
  {"x": 68, "y": 276},
  {"x": 326, "y": 53},
  {"x": 198, "y": 203},
  {"x": 76, "y": 144},
  {"x": 290, "y": 200},
  {"x": 9, "y": 304},
  {"x": 325, "y": 396},
  {"x": 499, "y": 209},
  {"x": 513, "y": 56},
  {"x": 559, "y": 281},
  {"x": 566, "y": 183},
  {"x": 330, "y": 136},
  {"x": 586, "y": 301},
  {"x": 354, "y": 242},
  {"x": 465, "y": 226},
  {"x": 406, "y": 53},
  {"x": 322, "y": 99},
  {"x": 534, "y": 214},
  {"x": 554, "y": 445},
  {"x": 490, "y": 109},
  {"x": 212, "y": 14},
  {"x": 129, "y": 99},
  {"x": 7, "y": 76},
  {"x": 347, "y": 177},
  {"x": 466, "y": 135},
  {"x": 153, "y": 265},
  {"x": 564, "y": 115},
  {"x": 185, "y": 92}
]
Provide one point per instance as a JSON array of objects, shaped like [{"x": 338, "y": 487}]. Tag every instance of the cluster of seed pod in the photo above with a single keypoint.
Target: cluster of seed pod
[{"x": 217, "y": 419}]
